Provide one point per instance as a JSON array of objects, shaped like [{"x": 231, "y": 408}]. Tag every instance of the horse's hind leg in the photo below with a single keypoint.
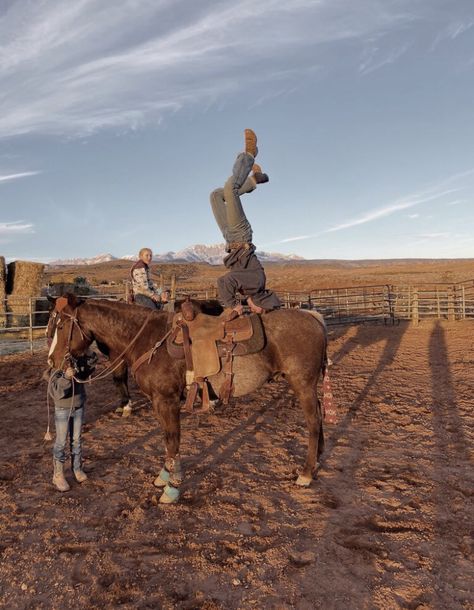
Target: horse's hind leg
[
  {"x": 120, "y": 379},
  {"x": 308, "y": 398},
  {"x": 171, "y": 476}
]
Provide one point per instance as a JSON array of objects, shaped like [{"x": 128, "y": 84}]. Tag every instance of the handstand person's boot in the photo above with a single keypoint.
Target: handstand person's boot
[
  {"x": 59, "y": 480},
  {"x": 258, "y": 175},
  {"x": 250, "y": 142}
]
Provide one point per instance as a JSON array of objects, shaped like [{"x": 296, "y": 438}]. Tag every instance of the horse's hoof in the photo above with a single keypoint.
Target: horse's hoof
[
  {"x": 127, "y": 411},
  {"x": 119, "y": 410},
  {"x": 303, "y": 480},
  {"x": 170, "y": 495},
  {"x": 162, "y": 479}
]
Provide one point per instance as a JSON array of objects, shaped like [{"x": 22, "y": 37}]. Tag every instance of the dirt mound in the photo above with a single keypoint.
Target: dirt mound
[{"x": 386, "y": 525}]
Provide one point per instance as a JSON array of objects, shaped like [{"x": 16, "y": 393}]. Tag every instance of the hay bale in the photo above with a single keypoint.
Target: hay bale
[
  {"x": 24, "y": 280},
  {"x": 3, "y": 293}
]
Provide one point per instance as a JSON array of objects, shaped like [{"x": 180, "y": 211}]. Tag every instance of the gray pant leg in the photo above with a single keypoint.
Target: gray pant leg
[
  {"x": 238, "y": 227},
  {"x": 220, "y": 209}
]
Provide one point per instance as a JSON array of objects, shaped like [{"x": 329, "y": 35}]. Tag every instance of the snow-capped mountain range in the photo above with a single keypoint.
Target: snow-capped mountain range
[{"x": 198, "y": 253}]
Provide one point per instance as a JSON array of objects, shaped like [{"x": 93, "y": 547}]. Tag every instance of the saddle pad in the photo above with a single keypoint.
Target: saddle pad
[
  {"x": 206, "y": 360},
  {"x": 240, "y": 328},
  {"x": 254, "y": 344}
]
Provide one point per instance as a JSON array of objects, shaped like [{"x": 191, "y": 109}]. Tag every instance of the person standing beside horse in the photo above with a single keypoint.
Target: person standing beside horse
[
  {"x": 144, "y": 291},
  {"x": 69, "y": 397},
  {"x": 246, "y": 274}
]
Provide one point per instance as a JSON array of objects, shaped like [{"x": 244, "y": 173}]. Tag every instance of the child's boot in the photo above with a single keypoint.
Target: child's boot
[{"x": 59, "y": 480}]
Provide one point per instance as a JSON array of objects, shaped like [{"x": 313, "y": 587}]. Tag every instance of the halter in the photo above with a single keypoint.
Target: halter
[{"x": 55, "y": 320}]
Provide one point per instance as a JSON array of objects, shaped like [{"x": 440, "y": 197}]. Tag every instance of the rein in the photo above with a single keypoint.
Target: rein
[{"x": 110, "y": 368}]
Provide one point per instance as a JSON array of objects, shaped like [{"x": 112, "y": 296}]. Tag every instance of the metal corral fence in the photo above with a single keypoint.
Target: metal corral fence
[
  {"x": 388, "y": 303},
  {"x": 22, "y": 324}
]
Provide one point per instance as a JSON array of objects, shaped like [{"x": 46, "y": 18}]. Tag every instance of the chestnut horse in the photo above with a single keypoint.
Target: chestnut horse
[{"x": 295, "y": 347}]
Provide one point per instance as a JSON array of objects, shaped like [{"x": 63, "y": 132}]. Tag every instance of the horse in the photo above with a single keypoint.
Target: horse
[
  {"x": 120, "y": 374},
  {"x": 295, "y": 348}
]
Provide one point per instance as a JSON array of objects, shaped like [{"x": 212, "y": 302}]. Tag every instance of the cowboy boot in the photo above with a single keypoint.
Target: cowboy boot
[
  {"x": 258, "y": 175},
  {"x": 79, "y": 474},
  {"x": 59, "y": 480},
  {"x": 250, "y": 142}
]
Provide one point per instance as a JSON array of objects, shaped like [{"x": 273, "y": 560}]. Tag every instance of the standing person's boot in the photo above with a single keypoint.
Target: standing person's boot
[
  {"x": 79, "y": 474},
  {"x": 59, "y": 480}
]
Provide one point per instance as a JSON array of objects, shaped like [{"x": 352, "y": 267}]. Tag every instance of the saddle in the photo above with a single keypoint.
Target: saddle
[{"x": 209, "y": 344}]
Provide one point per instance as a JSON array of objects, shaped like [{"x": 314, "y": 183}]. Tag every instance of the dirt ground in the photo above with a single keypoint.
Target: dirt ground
[{"x": 387, "y": 523}]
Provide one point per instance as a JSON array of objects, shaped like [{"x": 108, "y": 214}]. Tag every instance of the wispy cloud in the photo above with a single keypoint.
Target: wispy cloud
[
  {"x": 413, "y": 216},
  {"x": 440, "y": 235},
  {"x": 7, "y": 177},
  {"x": 143, "y": 59},
  {"x": 376, "y": 58},
  {"x": 16, "y": 227},
  {"x": 388, "y": 210},
  {"x": 432, "y": 193}
]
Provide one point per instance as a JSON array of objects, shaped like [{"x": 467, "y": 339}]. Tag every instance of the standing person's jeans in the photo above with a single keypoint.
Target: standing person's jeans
[
  {"x": 67, "y": 421},
  {"x": 226, "y": 204},
  {"x": 145, "y": 301}
]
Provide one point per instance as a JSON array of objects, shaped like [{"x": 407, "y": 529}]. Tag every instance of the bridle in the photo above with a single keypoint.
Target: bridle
[{"x": 54, "y": 323}]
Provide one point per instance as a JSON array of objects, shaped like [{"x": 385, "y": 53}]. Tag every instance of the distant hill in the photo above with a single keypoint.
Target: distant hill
[{"x": 198, "y": 253}]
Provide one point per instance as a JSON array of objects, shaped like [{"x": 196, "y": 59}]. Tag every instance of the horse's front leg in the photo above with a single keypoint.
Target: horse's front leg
[{"x": 171, "y": 476}]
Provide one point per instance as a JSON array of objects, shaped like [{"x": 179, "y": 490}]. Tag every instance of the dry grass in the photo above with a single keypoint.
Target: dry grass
[{"x": 297, "y": 276}]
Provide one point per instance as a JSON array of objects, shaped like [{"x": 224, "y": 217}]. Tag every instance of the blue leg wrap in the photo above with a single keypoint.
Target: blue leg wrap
[
  {"x": 162, "y": 479},
  {"x": 170, "y": 494}
]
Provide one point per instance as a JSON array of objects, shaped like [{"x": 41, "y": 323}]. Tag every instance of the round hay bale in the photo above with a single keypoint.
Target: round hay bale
[
  {"x": 24, "y": 281},
  {"x": 3, "y": 293}
]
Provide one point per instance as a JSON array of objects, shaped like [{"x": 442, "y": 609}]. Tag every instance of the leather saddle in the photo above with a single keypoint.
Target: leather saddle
[{"x": 209, "y": 344}]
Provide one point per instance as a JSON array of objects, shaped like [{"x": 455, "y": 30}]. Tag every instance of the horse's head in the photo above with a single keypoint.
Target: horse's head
[{"x": 66, "y": 338}]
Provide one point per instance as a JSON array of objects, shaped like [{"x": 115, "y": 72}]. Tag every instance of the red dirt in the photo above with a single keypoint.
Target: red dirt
[{"x": 386, "y": 525}]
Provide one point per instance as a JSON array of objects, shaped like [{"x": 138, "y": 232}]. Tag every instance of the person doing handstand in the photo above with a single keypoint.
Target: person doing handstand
[{"x": 246, "y": 274}]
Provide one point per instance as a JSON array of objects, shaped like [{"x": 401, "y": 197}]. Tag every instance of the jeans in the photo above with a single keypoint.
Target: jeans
[
  {"x": 226, "y": 204},
  {"x": 73, "y": 425}
]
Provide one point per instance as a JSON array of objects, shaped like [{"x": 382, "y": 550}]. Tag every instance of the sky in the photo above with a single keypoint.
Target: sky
[{"x": 119, "y": 117}]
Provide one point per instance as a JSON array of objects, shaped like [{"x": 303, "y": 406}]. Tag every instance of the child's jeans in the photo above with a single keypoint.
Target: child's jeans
[{"x": 65, "y": 422}]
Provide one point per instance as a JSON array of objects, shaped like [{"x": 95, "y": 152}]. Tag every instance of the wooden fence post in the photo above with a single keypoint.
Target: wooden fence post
[
  {"x": 173, "y": 287},
  {"x": 414, "y": 307},
  {"x": 463, "y": 302},
  {"x": 437, "y": 302},
  {"x": 451, "y": 312},
  {"x": 30, "y": 316}
]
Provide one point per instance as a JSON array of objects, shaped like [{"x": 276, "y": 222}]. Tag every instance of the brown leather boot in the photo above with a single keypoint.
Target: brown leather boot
[
  {"x": 258, "y": 175},
  {"x": 251, "y": 142}
]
